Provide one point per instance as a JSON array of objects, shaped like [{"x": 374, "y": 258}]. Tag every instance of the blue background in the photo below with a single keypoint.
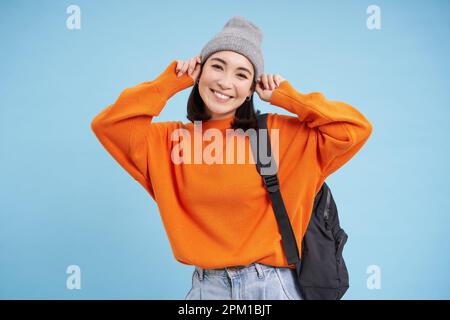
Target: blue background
[{"x": 64, "y": 201}]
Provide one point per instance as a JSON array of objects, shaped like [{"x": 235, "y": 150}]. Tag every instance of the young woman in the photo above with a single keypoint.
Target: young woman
[{"x": 215, "y": 208}]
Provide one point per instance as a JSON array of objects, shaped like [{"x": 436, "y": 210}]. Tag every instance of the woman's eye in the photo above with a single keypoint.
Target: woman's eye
[{"x": 220, "y": 67}]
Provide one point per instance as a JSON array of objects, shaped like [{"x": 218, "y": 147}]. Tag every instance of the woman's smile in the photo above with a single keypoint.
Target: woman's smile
[{"x": 220, "y": 97}]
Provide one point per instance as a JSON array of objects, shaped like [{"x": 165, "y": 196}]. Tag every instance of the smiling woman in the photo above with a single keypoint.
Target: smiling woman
[
  {"x": 223, "y": 208},
  {"x": 223, "y": 85},
  {"x": 224, "y": 88}
]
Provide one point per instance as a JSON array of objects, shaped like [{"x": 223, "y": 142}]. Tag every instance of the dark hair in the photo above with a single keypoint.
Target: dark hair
[{"x": 244, "y": 118}]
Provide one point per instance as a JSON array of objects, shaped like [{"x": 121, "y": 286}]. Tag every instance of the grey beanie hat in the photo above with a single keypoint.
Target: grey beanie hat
[{"x": 241, "y": 36}]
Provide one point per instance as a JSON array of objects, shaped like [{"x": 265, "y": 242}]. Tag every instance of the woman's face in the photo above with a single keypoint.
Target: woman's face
[{"x": 229, "y": 73}]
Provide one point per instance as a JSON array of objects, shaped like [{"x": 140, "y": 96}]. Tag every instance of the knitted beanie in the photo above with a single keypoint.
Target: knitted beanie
[{"x": 241, "y": 36}]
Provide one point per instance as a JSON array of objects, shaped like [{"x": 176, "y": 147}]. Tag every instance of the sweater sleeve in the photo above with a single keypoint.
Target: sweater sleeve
[
  {"x": 125, "y": 127},
  {"x": 340, "y": 129}
]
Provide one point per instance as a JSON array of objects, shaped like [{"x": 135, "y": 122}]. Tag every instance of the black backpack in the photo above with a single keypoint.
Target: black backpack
[{"x": 321, "y": 270}]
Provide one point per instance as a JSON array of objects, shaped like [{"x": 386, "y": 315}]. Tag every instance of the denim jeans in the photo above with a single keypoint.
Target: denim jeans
[{"x": 253, "y": 282}]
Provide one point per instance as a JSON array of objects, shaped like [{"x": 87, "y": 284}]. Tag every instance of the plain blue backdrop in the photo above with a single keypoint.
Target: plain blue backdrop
[{"x": 64, "y": 201}]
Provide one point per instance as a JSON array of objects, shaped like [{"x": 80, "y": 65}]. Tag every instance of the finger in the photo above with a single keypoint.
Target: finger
[
  {"x": 264, "y": 81},
  {"x": 271, "y": 82},
  {"x": 199, "y": 59},
  {"x": 180, "y": 69},
  {"x": 178, "y": 65},
  {"x": 276, "y": 79},
  {"x": 185, "y": 66},
  {"x": 192, "y": 64}
]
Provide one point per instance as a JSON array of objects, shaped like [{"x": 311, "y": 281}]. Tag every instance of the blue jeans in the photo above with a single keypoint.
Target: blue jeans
[{"x": 253, "y": 282}]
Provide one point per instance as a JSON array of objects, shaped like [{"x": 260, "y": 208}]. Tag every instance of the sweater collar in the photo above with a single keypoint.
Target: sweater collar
[{"x": 224, "y": 123}]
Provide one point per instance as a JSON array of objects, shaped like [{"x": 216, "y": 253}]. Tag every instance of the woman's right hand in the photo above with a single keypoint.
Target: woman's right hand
[{"x": 192, "y": 66}]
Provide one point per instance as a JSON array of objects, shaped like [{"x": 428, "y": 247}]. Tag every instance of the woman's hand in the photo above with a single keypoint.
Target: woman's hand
[
  {"x": 266, "y": 84},
  {"x": 192, "y": 66}
]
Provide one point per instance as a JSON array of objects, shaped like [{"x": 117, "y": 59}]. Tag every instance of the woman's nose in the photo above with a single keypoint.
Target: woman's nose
[
  {"x": 224, "y": 86},
  {"x": 225, "y": 82}
]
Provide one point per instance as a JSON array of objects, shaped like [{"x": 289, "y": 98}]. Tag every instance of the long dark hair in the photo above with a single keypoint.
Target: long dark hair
[{"x": 244, "y": 118}]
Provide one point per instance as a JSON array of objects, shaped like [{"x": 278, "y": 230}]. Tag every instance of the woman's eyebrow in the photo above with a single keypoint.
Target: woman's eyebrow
[{"x": 225, "y": 63}]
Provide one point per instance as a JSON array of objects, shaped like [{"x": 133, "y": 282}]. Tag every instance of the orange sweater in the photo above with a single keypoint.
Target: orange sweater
[{"x": 219, "y": 215}]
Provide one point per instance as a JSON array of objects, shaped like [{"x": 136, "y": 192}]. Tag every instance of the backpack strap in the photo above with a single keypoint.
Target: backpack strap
[{"x": 272, "y": 185}]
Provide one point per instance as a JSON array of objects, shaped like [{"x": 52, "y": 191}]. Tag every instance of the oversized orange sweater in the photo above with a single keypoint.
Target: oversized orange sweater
[{"x": 219, "y": 215}]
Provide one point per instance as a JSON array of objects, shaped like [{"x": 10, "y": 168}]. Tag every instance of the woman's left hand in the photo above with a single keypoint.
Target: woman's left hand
[{"x": 266, "y": 84}]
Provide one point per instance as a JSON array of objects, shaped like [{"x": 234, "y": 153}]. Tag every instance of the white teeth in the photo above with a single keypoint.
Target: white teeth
[{"x": 221, "y": 96}]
